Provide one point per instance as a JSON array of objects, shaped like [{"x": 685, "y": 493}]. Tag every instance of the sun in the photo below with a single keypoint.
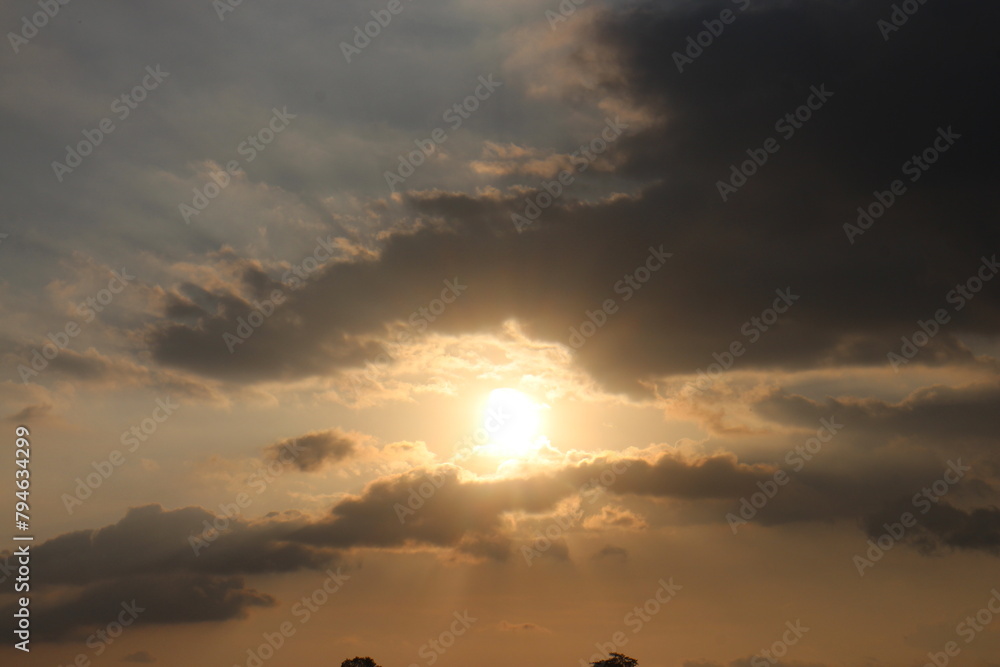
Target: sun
[{"x": 512, "y": 420}]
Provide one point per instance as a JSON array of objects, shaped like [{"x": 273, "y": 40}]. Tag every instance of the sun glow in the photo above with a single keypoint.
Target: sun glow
[{"x": 512, "y": 420}]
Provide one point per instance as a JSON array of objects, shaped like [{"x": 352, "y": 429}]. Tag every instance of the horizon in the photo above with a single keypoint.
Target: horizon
[{"x": 467, "y": 333}]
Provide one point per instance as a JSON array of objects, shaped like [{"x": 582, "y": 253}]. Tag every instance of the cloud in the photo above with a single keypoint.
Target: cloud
[
  {"x": 615, "y": 517},
  {"x": 31, "y": 413},
  {"x": 733, "y": 255},
  {"x": 657, "y": 186},
  {"x": 312, "y": 451},
  {"x": 144, "y": 657},
  {"x": 506, "y": 626},
  {"x": 456, "y": 509},
  {"x": 937, "y": 413},
  {"x": 941, "y": 528},
  {"x": 150, "y": 540},
  {"x": 148, "y": 557},
  {"x": 174, "y": 598},
  {"x": 611, "y": 552}
]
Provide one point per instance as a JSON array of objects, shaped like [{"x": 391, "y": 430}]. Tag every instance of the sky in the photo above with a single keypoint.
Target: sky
[{"x": 452, "y": 332}]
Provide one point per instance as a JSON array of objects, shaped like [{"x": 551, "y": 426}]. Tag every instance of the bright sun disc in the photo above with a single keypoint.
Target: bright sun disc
[{"x": 512, "y": 420}]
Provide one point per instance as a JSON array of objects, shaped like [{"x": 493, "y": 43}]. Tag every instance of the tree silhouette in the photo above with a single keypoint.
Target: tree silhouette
[
  {"x": 359, "y": 662},
  {"x": 616, "y": 660}
]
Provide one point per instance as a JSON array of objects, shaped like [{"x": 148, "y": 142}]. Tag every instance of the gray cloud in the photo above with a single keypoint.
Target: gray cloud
[
  {"x": 311, "y": 451},
  {"x": 943, "y": 527},
  {"x": 148, "y": 554},
  {"x": 611, "y": 552},
  {"x": 156, "y": 599},
  {"x": 783, "y": 230},
  {"x": 954, "y": 415}
]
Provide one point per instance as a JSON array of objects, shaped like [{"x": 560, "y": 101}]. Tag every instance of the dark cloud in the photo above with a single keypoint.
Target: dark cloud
[
  {"x": 149, "y": 556},
  {"x": 31, "y": 413},
  {"x": 939, "y": 413},
  {"x": 943, "y": 527},
  {"x": 222, "y": 342},
  {"x": 185, "y": 563},
  {"x": 438, "y": 509},
  {"x": 149, "y": 540},
  {"x": 480, "y": 546},
  {"x": 611, "y": 552},
  {"x": 150, "y": 599},
  {"x": 403, "y": 510},
  {"x": 311, "y": 451},
  {"x": 782, "y": 230},
  {"x": 95, "y": 369}
]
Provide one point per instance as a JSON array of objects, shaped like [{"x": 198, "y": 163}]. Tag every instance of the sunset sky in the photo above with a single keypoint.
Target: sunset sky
[{"x": 467, "y": 333}]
